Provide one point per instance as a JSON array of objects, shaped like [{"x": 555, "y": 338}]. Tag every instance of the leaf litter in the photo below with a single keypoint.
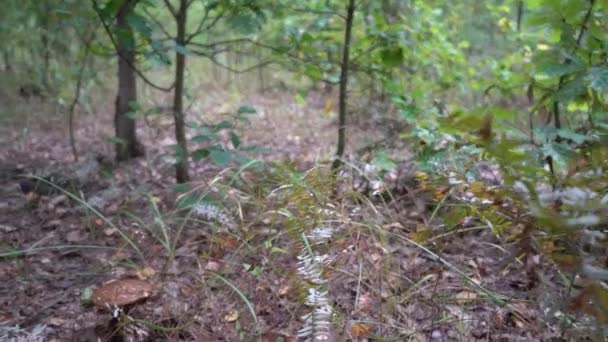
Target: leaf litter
[{"x": 55, "y": 251}]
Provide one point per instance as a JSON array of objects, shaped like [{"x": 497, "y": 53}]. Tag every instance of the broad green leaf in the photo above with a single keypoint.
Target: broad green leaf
[
  {"x": 571, "y": 89},
  {"x": 246, "y": 110},
  {"x": 576, "y": 137},
  {"x": 180, "y": 153},
  {"x": 382, "y": 161},
  {"x": 224, "y": 124},
  {"x": 182, "y": 188},
  {"x": 203, "y": 138},
  {"x": 199, "y": 154},
  {"x": 392, "y": 57},
  {"x": 220, "y": 157},
  {"x": 598, "y": 78},
  {"x": 236, "y": 141},
  {"x": 558, "y": 70}
]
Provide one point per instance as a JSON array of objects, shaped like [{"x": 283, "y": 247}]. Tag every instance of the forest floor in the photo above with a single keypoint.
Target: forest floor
[{"x": 243, "y": 284}]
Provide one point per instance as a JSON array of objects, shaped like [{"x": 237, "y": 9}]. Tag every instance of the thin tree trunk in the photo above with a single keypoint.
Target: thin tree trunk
[
  {"x": 343, "y": 86},
  {"x": 72, "y": 109},
  {"x": 262, "y": 83},
  {"x": 128, "y": 147},
  {"x": 181, "y": 167},
  {"x": 520, "y": 14},
  {"x": 46, "y": 50}
]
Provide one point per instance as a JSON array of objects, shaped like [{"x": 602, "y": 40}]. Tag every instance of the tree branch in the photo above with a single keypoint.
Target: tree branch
[
  {"x": 200, "y": 28},
  {"x": 212, "y": 58},
  {"x": 171, "y": 8},
  {"x": 115, "y": 44},
  {"x": 168, "y": 36}
]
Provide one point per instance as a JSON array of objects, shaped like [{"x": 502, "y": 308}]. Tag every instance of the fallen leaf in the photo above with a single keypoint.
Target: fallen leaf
[
  {"x": 212, "y": 266},
  {"x": 272, "y": 336},
  {"x": 393, "y": 226},
  {"x": 359, "y": 330},
  {"x": 464, "y": 297},
  {"x": 58, "y": 200},
  {"x": 145, "y": 273},
  {"x": 109, "y": 231},
  {"x": 56, "y": 322},
  {"x": 231, "y": 316},
  {"x": 75, "y": 236},
  {"x": 365, "y": 302},
  {"x": 122, "y": 292}
]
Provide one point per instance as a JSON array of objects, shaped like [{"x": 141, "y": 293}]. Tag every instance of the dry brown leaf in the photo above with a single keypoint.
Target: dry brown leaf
[
  {"x": 122, "y": 292},
  {"x": 212, "y": 266},
  {"x": 365, "y": 303},
  {"x": 75, "y": 236},
  {"x": 231, "y": 316},
  {"x": 56, "y": 322},
  {"x": 284, "y": 290},
  {"x": 145, "y": 273},
  {"x": 394, "y": 225},
  {"x": 464, "y": 297},
  {"x": 359, "y": 330},
  {"x": 272, "y": 336}
]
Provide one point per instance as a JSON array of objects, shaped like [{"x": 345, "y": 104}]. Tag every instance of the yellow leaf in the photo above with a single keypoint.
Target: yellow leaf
[
  {"x": 329, "y": 105},
  {"x": 422, "y": 176}
]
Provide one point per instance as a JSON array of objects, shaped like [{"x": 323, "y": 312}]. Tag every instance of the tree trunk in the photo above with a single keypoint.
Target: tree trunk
[
  {"x": 181, "y": 166},
  {"x": 128, "y": 147},
  {"x": 343, "y": 86},
  {"x": 46, "y": 49}
]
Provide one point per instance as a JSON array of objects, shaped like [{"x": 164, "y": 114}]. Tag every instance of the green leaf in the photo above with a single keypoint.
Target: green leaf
[
  {"x": 246, "y": 23},
  {"x": 220, "y": 157},
  {"x": 576, "y": 137},
  {"x": 241, "y": 160},
  {"x": 571, "y": 89},
  {"x": 598, "y": 78},
  {"x": 202, "y": 138},
  {"x": 256, "y": 149},
  {"x": 558, "y": 70},
  {"x": 313, "y": 72},
  {"x": 392, "y": 57},
  {"x": 180, "y": 153},
  {"x": 224, "y": 124},
  {"x": 300, "y": 99},
  {"x": 383, "y": 162},
  {"x": 246, "y": 109},
  {"x": 236, "y": 141},
  {"x": 134, "y": 109},
  {"x": 199, "y": 154},
  {"x": 182, "y": 188}
]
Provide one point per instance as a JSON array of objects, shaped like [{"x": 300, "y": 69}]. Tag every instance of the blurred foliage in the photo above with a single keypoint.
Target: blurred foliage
[{"x": 540, "y": 117}]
